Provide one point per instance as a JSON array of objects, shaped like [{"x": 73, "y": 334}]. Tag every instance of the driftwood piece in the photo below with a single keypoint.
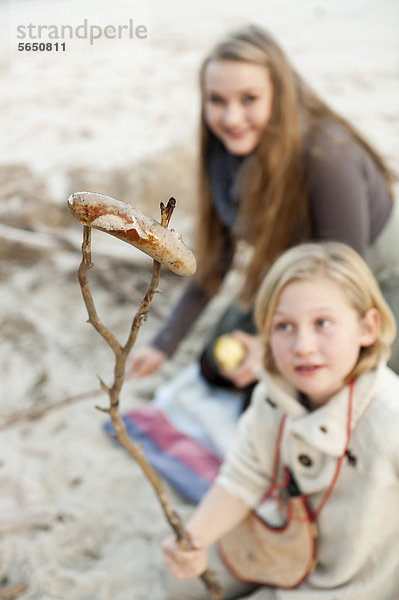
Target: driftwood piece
[
  {"x": 32, "y": 415},
  {"x": 12, "y": 591},
  {"x": 121, "y": 353},
  {"x": 42, "y": 238}
]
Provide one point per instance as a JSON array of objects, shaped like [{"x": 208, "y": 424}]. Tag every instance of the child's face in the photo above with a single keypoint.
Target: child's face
[
  {"x": 237, "y": 103},
  {"x": 316, "y": 336}
]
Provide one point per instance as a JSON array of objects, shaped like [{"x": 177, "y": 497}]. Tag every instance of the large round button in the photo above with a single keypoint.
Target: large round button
[{"x": 305, "y": 460}]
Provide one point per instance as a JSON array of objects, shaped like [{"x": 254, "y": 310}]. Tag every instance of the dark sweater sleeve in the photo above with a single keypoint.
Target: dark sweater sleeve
[
  {"x": 191, "y": 303},
  {"x": 349, "y": 200}
]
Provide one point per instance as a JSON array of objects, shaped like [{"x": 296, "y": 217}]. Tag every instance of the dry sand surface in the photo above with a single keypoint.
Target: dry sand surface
[{"x": 77, "y": 519}]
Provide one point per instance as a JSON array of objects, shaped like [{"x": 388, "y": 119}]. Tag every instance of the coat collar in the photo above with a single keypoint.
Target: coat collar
[{"x": 326, "y": 427}]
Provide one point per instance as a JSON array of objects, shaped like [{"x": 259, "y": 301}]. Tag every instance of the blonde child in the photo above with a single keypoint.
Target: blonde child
[{"x": 326, "y": 331}]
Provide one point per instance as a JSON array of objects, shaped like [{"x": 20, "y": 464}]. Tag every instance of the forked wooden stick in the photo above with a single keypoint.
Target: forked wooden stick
[{"x": 121, "y": 354}]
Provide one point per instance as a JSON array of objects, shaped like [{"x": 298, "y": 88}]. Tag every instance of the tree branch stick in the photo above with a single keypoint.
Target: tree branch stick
[
  {"x": 121, "y": 355},
  {"x": 85, "y": 266}
]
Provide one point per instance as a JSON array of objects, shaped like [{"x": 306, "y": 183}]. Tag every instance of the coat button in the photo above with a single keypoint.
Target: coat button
[{"x": 305, "y": 460}]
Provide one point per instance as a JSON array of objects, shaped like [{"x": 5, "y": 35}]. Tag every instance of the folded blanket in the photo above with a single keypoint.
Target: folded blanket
[
  {"x": 183, "y": 461},
  {"x": 185, "y": 431},
  {"x": 203, "y": 411}
]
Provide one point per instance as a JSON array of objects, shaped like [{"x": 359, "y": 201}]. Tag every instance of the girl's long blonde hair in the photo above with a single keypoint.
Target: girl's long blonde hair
[
  {"x": 341, "y": 264},
  {"x": 273, "y": 185}
]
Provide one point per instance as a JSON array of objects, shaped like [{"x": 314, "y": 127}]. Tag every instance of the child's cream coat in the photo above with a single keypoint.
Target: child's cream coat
[{"x": 358, "y": 540}]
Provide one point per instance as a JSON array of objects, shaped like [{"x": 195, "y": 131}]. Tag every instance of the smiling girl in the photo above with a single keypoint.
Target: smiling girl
[
  {"x": 277, "y": 167},
  {"x": 327, "y": 407}
]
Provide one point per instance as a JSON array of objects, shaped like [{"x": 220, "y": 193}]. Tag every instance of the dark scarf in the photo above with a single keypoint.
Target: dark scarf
[{"x": 224, "y": 177}]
